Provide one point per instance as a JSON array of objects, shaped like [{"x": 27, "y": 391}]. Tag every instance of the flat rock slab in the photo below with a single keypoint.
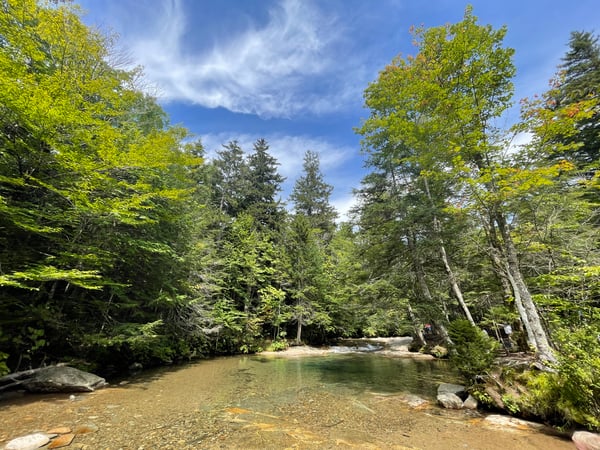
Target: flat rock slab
[
  {"x": 85, "y": 428},
  {"x": 59, "y": 430},
  {"x": 28, "y": 442},
  {"x": 512, "y": 423},
  {"x": 62, "y": 441}
]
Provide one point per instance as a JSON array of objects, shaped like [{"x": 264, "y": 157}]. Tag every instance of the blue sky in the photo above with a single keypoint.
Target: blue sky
[{"x": 294, "y": 71}]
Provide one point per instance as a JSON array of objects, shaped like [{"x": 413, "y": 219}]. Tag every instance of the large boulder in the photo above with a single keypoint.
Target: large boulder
[
  {"x": 450, "y": 401},
  {"x": 584, "y": 440},
  {"x": 470, "y": 403},
  {"x": 449, "y": 388},
  {"x": 63, "y": 379}
]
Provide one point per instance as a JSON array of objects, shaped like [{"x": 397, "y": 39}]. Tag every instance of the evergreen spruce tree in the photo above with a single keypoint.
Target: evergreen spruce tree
[
  {"x": 231, "y": 182},
  {"x": 581, "y": 82},
  {"x": 265, "y": 184},
  {"x": 311, "y": 196}
]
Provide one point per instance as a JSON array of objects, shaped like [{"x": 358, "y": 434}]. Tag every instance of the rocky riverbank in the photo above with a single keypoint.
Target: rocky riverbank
[
  {"x": 389, "y": 346},
  {"x": 254, "y": 402}
]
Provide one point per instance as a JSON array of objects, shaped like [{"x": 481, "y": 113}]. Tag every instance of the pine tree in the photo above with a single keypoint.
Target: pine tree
[
  {"x": 231, "y": 183},
  {"x": 580, "y": 81},
  {"x": 265, "y": 184},
  {"x": 311, "y": 196}
]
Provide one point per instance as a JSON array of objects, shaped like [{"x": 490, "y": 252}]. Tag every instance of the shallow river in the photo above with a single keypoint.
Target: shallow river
[{"x": 258, "y": 402}]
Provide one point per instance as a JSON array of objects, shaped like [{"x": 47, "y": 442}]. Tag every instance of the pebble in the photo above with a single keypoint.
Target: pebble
[
  {"x": 86, "y": 428},
  {"x": 59, "y": 430}
]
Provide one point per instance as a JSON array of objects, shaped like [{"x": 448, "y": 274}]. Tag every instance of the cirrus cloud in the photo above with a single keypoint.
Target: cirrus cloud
[{"x": 285, "y": 66}]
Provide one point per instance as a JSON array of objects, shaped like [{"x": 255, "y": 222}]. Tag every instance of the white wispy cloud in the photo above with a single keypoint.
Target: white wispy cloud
[{"x": 261, "y": 70}]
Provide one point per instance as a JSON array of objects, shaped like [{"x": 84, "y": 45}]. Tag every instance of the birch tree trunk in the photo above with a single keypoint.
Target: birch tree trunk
[
  {"x": 452, "y": 280},
  {"x": 529, "y": 313},
  {"x": 417, "y": 327},
  {"x": 422, "y": 285}
]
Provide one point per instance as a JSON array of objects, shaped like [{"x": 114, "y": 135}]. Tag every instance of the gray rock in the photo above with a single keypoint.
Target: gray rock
[
  {"x": 450, "y": 401},
  {"x": 414, "y": 401},
  {"x": 509, "y": 423},
  {"x": 584, "y": 440},
  {"x": 470, "y": 403},
  {"x": 449, "y": 388},
  {"x": 63, "y": 379},
  {"x": 28, "y": 442}
]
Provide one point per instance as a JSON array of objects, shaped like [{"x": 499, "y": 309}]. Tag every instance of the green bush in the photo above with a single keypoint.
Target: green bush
[
  {"x": 278, "y": 345},
  {"x": 579, "y": 375},
  {"x": 569, "y": 395},
  {"x": 472, "y": 352}
]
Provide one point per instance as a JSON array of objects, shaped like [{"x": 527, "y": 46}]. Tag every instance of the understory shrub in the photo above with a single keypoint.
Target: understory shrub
[{"x": 472, "y": 352}]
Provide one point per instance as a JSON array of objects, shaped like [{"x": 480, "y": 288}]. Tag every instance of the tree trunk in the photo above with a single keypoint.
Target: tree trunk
[
  {"x": 299, "y": 331},
  {"x": 443, "y": 332},
  {"x": 417, "y": 327},
  {"x": 437, "y": 227},
  {"x": 531, "y": 341},
  {"x": 521, "y": 291},
  {"x": 421, "y": 280},
  {"x": 511, "y": 291},
  {"x": 454, "y": 285}
]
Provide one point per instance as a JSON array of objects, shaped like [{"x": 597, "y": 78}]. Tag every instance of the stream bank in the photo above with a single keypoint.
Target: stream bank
[{"x": 271, "y": 402}]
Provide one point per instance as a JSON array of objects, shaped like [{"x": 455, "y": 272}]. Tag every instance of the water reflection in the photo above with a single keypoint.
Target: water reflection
[
  {"x": 360, "y": 373},
  {"x": 247, "y": 402}
]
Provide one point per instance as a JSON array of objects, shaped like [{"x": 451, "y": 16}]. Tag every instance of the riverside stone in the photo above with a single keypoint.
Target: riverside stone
[
  {"x": 584, "y": 440},
  {"x": 59, "y": 430},
  {"x": 85, "y": 428},
  {"x": 512, "y": 423},
  {"x": 28, "y": 442},
  {"x": 63, "y": 379},
  {"x": 62, "y": 441},
  {"x": 450, "y": 401},
  {"x": 470, "y": 403},
  {"x": 449, "y": 388},
  {"x": 414, "y": 401}
]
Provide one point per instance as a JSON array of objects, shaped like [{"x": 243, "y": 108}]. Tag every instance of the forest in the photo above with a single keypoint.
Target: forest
[{"x": 122, "y": 243}]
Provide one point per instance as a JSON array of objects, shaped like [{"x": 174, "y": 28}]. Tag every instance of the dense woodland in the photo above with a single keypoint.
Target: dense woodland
[{"x": 121, "y": 243}]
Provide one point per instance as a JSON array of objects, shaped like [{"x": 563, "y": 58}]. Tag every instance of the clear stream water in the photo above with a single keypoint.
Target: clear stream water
[{"x": 337, "y": 400}]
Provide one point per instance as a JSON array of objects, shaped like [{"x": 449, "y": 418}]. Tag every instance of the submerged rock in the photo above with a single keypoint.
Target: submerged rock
[
  {"x": 63, "y": 440},
  {"x": 85, "y": 428},
  {"x": 63, "y": 379},
  {"x": 59, "y": 430},
  {"x": 414, "y": 401},
  {"x": 28, "y": 442},
  {"x": 512, "y": 423}
]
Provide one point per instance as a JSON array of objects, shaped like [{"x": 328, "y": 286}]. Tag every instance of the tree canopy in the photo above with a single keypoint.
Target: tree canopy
[{"x": 121, "y": 242}]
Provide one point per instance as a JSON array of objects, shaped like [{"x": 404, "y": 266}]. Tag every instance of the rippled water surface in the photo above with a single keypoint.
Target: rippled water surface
[{"x": 328, "y": 401}]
